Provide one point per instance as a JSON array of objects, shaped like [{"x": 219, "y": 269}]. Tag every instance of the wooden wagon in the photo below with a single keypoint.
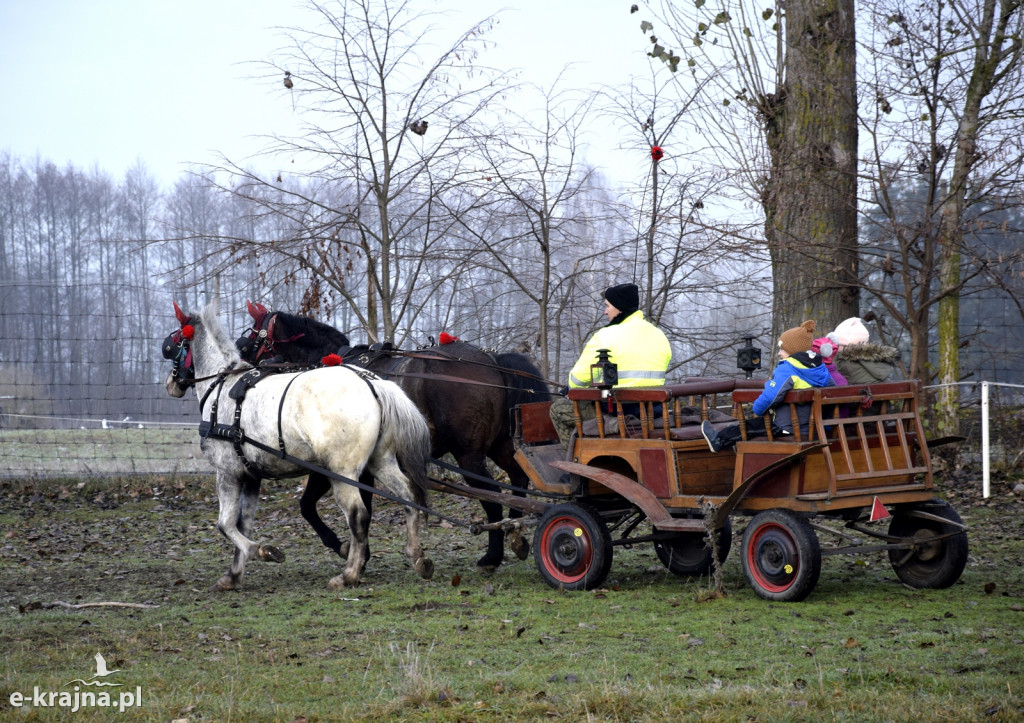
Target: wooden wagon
[{"x": 863, "y": 459}]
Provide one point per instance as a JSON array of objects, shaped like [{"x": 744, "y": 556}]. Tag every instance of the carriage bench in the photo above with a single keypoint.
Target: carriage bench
[{"x": 851, "y": 448}]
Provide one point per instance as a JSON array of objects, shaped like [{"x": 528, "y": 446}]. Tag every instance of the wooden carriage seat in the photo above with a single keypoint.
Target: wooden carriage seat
[{"x": 684, "y": 406}]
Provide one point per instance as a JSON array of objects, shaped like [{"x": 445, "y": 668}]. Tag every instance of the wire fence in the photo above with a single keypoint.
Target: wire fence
[
  {"x": 82, "y": 395},
  {"x": 40, "y": 446}
]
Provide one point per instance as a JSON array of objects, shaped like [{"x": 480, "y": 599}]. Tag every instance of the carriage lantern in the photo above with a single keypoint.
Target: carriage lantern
[
  {"x": 748, "y": 358},
  {"x": 604, "y": 373}
]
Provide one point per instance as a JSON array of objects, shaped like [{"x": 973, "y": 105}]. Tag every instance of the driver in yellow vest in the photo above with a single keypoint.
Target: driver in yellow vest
[{"x": 640, "y": 349}]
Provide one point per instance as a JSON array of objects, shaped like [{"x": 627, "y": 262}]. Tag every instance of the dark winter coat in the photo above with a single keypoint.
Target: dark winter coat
[{"x": 867, "y": 363}]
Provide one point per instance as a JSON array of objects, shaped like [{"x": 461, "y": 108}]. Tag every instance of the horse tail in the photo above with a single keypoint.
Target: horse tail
[{"x": 404, "y": 430}]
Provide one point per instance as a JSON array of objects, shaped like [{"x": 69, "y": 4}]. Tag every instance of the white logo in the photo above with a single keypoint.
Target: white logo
[
  {"x": 101, "y": 672},
  {"x": 77, "y": 698}
]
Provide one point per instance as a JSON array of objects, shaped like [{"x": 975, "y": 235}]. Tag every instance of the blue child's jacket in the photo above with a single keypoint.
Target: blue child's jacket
[{"x": 803, "y": 370}]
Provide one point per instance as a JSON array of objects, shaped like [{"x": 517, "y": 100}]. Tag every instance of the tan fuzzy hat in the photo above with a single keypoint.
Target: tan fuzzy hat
[{"x": 797, "y": 339}]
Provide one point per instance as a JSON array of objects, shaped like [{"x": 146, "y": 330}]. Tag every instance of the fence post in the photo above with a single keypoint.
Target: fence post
[{"x": 984, "y": 441}]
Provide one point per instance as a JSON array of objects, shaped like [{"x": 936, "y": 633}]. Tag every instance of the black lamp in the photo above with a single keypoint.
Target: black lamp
[
  {"x": 748, "y": 358},
  {"x": 604, "y": 373}
]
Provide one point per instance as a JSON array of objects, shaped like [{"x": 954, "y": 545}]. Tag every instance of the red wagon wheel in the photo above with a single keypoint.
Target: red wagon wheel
[
  {"x": 572, "y": 547},
  {"x": 781, "y": 556}
]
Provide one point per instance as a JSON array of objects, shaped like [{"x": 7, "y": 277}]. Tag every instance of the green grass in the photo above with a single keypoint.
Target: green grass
[
  {"x": 100, "y": 452},
  {"x": 492, "y": 647}
]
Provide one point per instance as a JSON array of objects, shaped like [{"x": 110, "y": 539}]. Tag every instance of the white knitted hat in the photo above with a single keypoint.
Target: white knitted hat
[{"x": 849, "y": 332}]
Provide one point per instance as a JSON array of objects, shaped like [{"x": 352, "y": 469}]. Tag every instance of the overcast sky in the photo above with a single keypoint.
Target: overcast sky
[{"x": 108, "y": 82}]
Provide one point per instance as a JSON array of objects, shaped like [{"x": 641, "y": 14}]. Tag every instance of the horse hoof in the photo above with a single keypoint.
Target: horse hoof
[
  {"x": 224, "y": 584},
  {"x": 488, "y": 564},
  {"x": 519, "y": 545},
  {"x": 425, "y": 567},
  {"x": 338, "y": 582},
  {"x": 269, "y": 553}
]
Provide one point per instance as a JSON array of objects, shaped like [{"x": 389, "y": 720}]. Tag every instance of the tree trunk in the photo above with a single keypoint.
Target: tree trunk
[
  {"x": 988, "y": 54},
  {"x": 810, "y": 198}
]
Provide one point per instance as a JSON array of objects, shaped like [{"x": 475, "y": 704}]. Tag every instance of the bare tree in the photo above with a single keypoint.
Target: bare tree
[
  {"x": 699, "y": 272},
  {"x": 532, "y": 220},
  {"x": 387, "y": 133},
  {"x": 793, "y": 67},
  {"x": 946, "y": 107}
]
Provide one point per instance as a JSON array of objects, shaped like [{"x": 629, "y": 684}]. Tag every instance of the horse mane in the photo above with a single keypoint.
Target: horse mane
[
  {"x": 521, "y": 389},
  {"x": 307, "y": 334},
  {"x": 209, "y": 318}
]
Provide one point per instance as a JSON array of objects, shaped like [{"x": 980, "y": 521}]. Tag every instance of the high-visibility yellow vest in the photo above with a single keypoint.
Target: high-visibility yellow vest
[{"x": 639, "y": 348}]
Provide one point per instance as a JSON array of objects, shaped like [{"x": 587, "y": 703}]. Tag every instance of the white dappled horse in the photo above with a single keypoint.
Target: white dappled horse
[{"x": 332, "y": 417}]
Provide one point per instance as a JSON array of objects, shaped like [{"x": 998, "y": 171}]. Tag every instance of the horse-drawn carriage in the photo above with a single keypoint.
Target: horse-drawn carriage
[
  {"x": 640, "y": 470},
  {"x": 864, "y": 459}
]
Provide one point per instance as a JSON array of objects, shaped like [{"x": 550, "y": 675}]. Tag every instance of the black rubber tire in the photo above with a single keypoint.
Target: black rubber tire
[
  {"x": 688, "y": 554},
  {"x": 572, "y": 547},
  {"x": 781, "y": 556},
  {"x": 933, "y": 563}
]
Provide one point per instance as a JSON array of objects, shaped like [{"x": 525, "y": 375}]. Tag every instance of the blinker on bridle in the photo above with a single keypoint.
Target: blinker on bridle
[
  {"x": 176, "y": 347},
  {"x": 259, "y": 342},
  {"x": 262, "y": 336}
]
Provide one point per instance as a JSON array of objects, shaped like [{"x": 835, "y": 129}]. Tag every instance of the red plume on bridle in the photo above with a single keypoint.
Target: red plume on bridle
[
  {"x": 257, "y": 311},
  {"x": 182, "y": 317},
  {"x": 177, "y": 348},
  {"x": 447, "y": 338}
]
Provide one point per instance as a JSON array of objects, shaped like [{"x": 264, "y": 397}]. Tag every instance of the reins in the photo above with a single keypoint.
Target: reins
[
  {"x": 223, "y": 373},
  {"x": 493, "y": 365},
  {"x": 286, "y": 366},
  {"x": 262, "y": 333}
]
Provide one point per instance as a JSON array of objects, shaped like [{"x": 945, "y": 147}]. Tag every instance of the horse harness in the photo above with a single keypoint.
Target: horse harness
[
  {"x": 212, "y": 429},
  {"x": 262, "y": 341},
  {"x": 176, "y": 347}
]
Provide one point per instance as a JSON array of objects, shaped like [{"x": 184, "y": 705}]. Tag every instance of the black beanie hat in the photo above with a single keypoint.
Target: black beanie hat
[{"x": 624, "y": 297}]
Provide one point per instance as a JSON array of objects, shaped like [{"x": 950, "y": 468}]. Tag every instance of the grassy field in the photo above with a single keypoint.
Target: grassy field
[
  {"x": 472, "y": 647},
  {"x": 100, "y": 452}
]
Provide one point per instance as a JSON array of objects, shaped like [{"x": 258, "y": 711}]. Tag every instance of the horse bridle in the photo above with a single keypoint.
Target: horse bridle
[
  {"x": 261, "y": 337},
  {"x": 178, "y": 349}
]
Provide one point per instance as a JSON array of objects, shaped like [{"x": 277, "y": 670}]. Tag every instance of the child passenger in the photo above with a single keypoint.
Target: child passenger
[
  {"x": 859, "y": 360},
  {"x": 798, "y": 368},
  {"x": 826, "y": 349}
]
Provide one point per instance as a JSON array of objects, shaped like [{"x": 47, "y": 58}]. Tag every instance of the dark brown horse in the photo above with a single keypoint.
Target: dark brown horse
[{"x": 466, "y": 394}]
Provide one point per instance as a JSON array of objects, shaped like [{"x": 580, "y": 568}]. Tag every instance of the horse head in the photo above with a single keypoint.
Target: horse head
[
  {"x": 178, "y": 348},
  {"x": 258, "y": 342}
]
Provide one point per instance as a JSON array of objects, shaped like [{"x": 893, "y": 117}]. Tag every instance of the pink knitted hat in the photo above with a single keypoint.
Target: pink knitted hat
[{"x": 825, "y": 347}]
